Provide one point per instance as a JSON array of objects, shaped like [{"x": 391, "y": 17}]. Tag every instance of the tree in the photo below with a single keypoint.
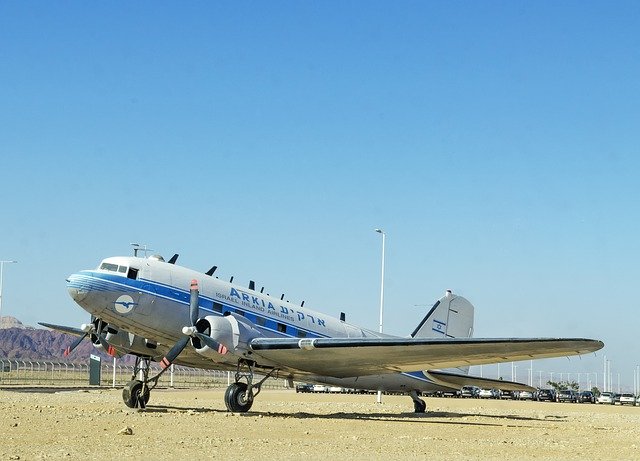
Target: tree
[{"x": 563, "y": 385}]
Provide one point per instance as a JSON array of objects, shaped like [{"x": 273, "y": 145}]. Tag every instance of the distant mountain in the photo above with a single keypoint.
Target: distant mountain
[
  {"x": 23, "y": 342},
  {"x": 11, "y": 322}
]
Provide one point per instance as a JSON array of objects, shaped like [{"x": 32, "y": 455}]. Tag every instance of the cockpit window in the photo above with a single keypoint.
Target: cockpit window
[
  {"x": 109, "y": 267},
  {"x": 113, "y": 268}
]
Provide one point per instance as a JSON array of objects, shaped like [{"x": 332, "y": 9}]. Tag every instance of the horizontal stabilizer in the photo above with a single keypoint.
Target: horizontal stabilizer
[{"x": 456, "y": 381}]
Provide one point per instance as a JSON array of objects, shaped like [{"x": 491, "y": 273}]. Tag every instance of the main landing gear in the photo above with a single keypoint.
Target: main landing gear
[
  {"x": 137, "y": 391},
  {"x": 419, "y": 405},
  {"x": 239, "y": 396}
]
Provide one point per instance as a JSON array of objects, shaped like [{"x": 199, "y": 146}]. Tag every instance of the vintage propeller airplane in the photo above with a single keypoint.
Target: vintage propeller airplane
[{"x": 159, "y": 311}]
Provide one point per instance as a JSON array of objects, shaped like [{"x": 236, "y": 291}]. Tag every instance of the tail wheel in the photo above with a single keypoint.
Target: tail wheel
[
  {"x": 133, "y": 396},
  {"x": 419, "y": 406},
  {"x": 237, "y": 399}
]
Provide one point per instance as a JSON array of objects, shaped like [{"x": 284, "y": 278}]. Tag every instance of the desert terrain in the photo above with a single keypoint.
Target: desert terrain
[{"x": 192, "y": 424}]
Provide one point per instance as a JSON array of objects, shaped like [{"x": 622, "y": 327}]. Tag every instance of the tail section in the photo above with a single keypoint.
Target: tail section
[{"x": 450, "y": 317}]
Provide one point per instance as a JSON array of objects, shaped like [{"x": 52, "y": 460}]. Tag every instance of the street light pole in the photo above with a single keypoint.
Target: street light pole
[
  {"x": 380, "y": 231},
  {"x": 2, "y": 263}
]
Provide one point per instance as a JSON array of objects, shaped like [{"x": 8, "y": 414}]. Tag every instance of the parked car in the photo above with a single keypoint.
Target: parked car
[
  {"x": 627, "y": 399},
  {"x": 605, "y": 398},
  {"x": 586, "y": 397},
  {"x": 469, "y": 392},
  {"x": 489, "y": 394},
  {"x": 304, "y": 387},
  {"x": 525, "y": 395},
  {"x": 567, "y": 395},
  {"x": 508, "y": 395},
  {"x": 546, "y": 394},
  {"x": 319, "y": 388}
]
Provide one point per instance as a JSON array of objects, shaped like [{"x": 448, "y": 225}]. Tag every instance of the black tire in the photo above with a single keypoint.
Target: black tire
[
  {"x": 419, "y": 406},
  {"x": 132, "y": 394},
  {"x": 236, "y": 399}
]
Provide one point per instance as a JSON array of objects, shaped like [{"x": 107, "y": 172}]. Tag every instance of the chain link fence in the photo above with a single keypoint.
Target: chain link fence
[{"x": 70, "y": 374}]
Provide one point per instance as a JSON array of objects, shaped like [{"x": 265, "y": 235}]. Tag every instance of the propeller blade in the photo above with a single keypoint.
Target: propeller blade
[
  {"x": 194, "y": 313},
  {"x": 70, "y": 349},
  {"x": 107, "y": 347},
  {"x": 194, "y": 310},
  {"x": 212, "y": 343},
  {"x": 174, "y": 352}
]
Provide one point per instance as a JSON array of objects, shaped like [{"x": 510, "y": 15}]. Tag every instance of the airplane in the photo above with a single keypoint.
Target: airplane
[{"x": 163, "y": 312}]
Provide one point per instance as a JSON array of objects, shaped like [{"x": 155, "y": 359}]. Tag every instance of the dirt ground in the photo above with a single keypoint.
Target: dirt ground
[{"x": 95, "y": 424}]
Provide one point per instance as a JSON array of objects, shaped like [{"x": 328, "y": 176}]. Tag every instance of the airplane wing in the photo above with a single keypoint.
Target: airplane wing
[
  {"x": 346, "y": 357},
  {"x": 63, "y": 329}
]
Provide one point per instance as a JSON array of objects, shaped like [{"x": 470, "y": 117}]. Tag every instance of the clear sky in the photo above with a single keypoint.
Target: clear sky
[{"x": 496, "y": 143}]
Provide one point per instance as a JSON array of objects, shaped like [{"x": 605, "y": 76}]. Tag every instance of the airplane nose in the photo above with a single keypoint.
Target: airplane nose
[{"x": 76, "y": 290}]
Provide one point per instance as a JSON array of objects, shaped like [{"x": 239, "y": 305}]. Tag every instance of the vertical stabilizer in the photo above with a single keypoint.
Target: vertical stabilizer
[{"x": 450, "y": 317}]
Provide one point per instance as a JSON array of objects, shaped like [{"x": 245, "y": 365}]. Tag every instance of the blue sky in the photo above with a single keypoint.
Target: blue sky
[{"x": 496, "y": 143}]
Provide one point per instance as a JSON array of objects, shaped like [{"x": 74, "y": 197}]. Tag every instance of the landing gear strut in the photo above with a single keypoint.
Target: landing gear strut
[
  {"x": 419, "y": 405},
  {"x": 239, "y": 396},
  {"x": 137, "y": 391}
]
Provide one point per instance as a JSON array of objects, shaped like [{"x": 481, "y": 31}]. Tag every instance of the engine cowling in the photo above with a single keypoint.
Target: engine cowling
[{"x": 232, "y": 331}]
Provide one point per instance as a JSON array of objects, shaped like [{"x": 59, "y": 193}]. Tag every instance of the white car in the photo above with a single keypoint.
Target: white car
[
  {"x": 488, "y": 394},
  {"x": 605, "y": 397},
  {"x": 627, "y": 399},
  {"x": 525, "y": 395}
]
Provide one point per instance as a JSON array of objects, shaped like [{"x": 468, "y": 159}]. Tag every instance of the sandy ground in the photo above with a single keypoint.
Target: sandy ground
[{"x": 95, "y": 424}]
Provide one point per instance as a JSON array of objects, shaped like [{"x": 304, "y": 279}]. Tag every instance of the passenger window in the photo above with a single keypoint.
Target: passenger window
[
  {"x": 217, "y": 307},
  {"x": 282, "y": 328},
  {"x": 301, "y": 334},
  {"x": 133, "y": 273}
]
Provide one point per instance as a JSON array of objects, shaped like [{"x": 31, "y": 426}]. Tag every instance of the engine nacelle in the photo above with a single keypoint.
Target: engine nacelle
[{"x": 231, "y": 331}]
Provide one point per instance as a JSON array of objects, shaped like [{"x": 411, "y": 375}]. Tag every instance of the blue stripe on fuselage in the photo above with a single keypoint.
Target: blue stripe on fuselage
[{"x": 100, "y": 281}]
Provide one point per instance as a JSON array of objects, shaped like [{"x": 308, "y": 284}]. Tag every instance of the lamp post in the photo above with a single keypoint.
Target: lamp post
[
  {"x": 2, "y": 263},
  {"x": 380, "y": 231}
]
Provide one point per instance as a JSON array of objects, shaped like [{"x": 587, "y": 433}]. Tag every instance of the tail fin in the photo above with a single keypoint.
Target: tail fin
[{"x": 450, "y": 317}]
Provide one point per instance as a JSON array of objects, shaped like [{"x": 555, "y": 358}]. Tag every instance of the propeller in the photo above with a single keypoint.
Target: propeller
[
  {"x": 76, "y": 343},
  {"x": 99, "y": 329},
  {"x": 95, "y": 328},
  {"x": 191, "y": 331}
]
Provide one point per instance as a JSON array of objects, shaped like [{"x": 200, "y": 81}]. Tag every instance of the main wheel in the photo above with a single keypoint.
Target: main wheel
[
  {"x": 237, "y": 399},
  {"x": 133, "y": 396}
]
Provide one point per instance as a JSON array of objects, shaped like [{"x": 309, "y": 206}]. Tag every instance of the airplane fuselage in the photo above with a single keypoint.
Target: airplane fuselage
[{"x": 149, "y": 298}]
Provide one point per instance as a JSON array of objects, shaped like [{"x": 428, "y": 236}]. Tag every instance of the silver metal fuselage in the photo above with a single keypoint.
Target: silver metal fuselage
[{"x": 150, "y": 298}]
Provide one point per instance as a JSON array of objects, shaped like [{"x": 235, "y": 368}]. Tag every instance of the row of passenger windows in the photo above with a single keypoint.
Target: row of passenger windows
[{"x": 263, "y": 322}]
